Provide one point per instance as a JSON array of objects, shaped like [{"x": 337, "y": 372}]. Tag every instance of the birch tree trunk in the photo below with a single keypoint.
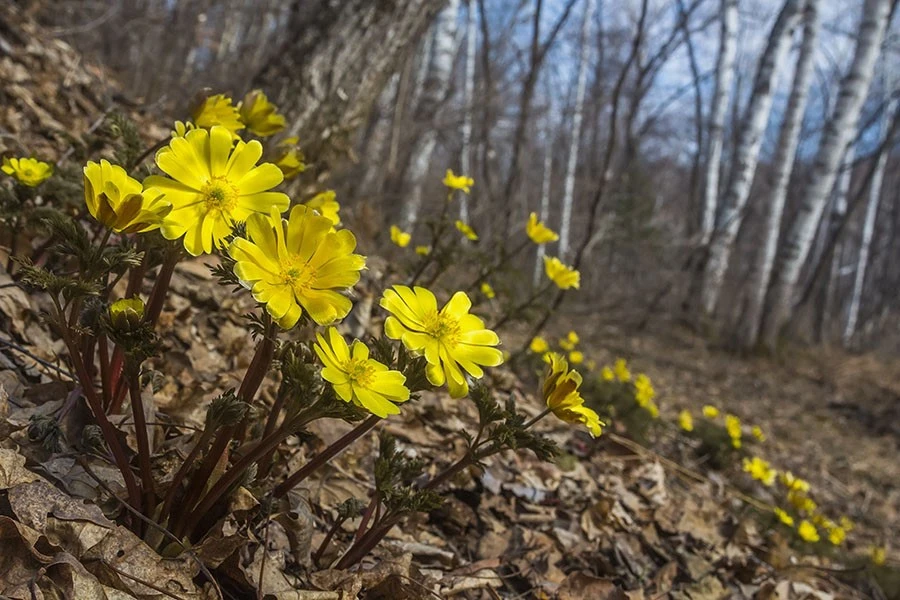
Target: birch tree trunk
[
  {"x": 436, "y": 85},
  {"x": 465, "y": 159},
  {"x": 869, "y": 222},
  {"x": 569, "y": 186},
  {"x": 783, "y": 162},
  {"x": 838, "y": 130},
  {"x": 746, "y": 155},
  {"x": 545, "y": 202},
  {"x": 725, "y": 64}
]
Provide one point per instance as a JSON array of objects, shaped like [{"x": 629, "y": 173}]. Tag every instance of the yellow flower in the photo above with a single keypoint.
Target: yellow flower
[
  {"x": 793, "y": 483},
  {"x": 561, "y": 394},
  {"x": 606, "y": 374},
  {"x": 686, "y": 420},
  {"x": 181, "y": 128},
  {"x": 592, "y": 365},
  {"x": 538, "y": 232},
  {"x": 212, "y": 186},
  {"x": 400, "y": 237},
  {"x": 296, "y": 264},
  {"x": 760, "y": 470},
  {"x": 784, "y": 517},
  {"x": 117, "y": 201},
  {"x": 801, "y": 501},
  {"x": 357, "y": 378},
  {"x": 733, "y": 427},
  {"x": 564, "y": 277},
  {"x": 847, "y": 524},
  {"x": 488, "y": 291},
  {"x": 325, "y": 204},
  {"x": 643, "y": 390},
  {"x": 620, "y": 368},
  {"x": 466, "y": 231},
  {"x": 837, "y": 535},
  {"x": 878, "y": 554},
  {"x": 566, "y": 345},
  {"x": 259, "y": 115},
  {"x": 710, "y": 412},
  {"x": 451, "y": 338},
  {"x": 757, "y": 432},
  {"x": 538, "y": 345},
  {"x": 576, "y": 357},
  {"x": 653, "y": 409},
  {"x": 289, "y": 158},
  {"x": 218, "y": 110},
  {"x": 423, "y": 250},
  {"x": 27, "y": 171},
  {"x": 808, "y": 531},
  {"x": 458, "y": 182},
  {"x": 126, "y": 314}
]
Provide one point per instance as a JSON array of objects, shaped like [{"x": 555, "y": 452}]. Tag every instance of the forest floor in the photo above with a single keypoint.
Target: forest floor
[{"x": 613, "y": 518}]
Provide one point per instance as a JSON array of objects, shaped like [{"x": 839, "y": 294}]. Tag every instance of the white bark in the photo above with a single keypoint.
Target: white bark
[
  {"x": 465, "y": 158},
  {"x": 545, "y": 202},
  {"x": 725, "y": 65},
  {"x": 746, "y": 155},
  {"x": 783, "y": 163},
  {"x": 869, "y": 223},
  {"x": 435, "y": 90},
  {"x": 569, "y": 186},
  {"x": 838, "y": 131}
]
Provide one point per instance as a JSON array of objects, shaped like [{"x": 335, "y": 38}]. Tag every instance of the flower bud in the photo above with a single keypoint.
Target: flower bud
[{"x": 126, "y": 314}]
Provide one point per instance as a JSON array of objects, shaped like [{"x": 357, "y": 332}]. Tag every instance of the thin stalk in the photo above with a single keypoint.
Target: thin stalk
[
  {"x": 143, "y": 440},
  {"x": 325, "y": 455},
  {"x": 317, "y": 555},
  {"x": 103, "y": 351},
  {"x": 204, "y": 440},
  {"x": 370, "y": 510}
]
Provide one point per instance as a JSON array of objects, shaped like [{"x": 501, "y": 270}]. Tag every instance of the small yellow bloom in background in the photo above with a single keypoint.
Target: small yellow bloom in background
[
  {"x": 566, "y": 345},
  {"x": 289, "y": 158},
  {"x": 357, "y": 378},
  {"x": 757, "y": 432},
  {"x": 606, "y": 374},
  {"x": 30, "y": 172},
  {"x": 117, "y": 200},
  {"x": 452, "y": 339},
  {"x": 564, "y": 277},
  {"x": 297, "y": 264},
  {"x": 538, "y": 345},
  {"x": 878, "y": 555},
  {"x": 126, "y": 314},
  {"x": 423, "y": 250},
  {"x": 259, "y": 115},
  {"x": 793, "y": 484},
  {"x": 837, "y": 535},
  {"x": 620, "y": 368},
  {"x": 573, "y": 338},
  {"x": 760, "y": 470},
  {"x": 538, "y": 232},
  {"x": 325, "y": 204},
  {"x": 488, "y": 291},
  {"x": 212, "y": 185},
  {"x": 784, "y": 517},
  {"x": 576, "y": 357},
  {"x": 462, "y": 183},
  {"x": 399, "y": 237},
  {"x": 710, "y": 411},
  {"x": 802, "y": 502},
  {"x": 561, "y": 394},
  {"x": 218, "y": 110},
  {"x": 686, "y": 420},
  {"x": 466, "y": 231},
  {"x": 847, "y": 524},
  {"x": 181, "y": 128},
  {"x": 592, "y": 365},
  {"x": 807, "y": 531},
  {"x": 643, "y": 390},
  {"x": 653, "y": 409},
  {"x": 733, "y": 427}
]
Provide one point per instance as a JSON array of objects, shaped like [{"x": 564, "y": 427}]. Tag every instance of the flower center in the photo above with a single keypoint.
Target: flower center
[
  {"x": 297, "y": 274},
  {"x": 444, "y": 328},
  {"x": 219, "y": 194},
  {"x": 360, "y": 372}
]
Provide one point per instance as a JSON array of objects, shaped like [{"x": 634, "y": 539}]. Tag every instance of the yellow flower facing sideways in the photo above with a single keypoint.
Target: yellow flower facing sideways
[
  {"x": 686, "y": 420},
  {"x": 326, "y": 205},
  {"x": 643, "y": 390},
  {"x": 562, "y": 397},
  {"x": 760, "y": 470},
  {"x": 462, "y": 183},
  {"x": 357, "y": 378},
  {"x": 538, "y": 345},
  {"x": 784, "y": 517},
  {"x": 218, "y": 110},
  {"x": 564, "y": 277},
  {"x": 30, "y": 172},
  {"x": 488, "y": 291},
  {"x": 452, "y": 339},
  {"x": 399, "y": 237},
  {"x": 259, "y": 115},
  {"x": 733, "y": 427},
  {"x": 757, "y": 432},
  {"x": 289, "y": 158},
  {"x": 212, "y": 186},
  {"x": 117, "y": 200},
  {"x": 807, "y": 531},
  {"x": 538, "y": 232},
  {"x": 297, "y": 264},
  {"x": 467, "y": 231}
]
